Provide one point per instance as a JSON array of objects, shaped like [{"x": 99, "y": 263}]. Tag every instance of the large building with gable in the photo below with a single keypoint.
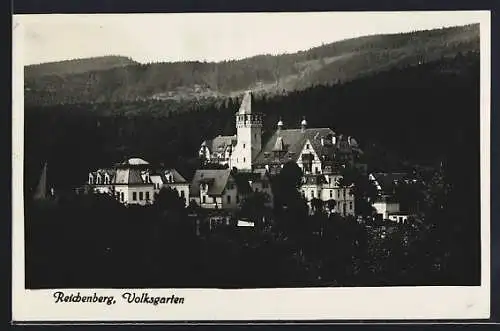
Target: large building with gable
[
  {"x": 319, "y": 152},
  {"x": 136, "y": 182}
]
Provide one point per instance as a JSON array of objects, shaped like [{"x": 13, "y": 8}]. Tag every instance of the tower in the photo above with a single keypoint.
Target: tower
[{"x": 249, "y": 135}]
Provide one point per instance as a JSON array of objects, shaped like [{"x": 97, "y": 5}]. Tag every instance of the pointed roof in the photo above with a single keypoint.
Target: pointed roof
[
  {"x": 246, "y": 103},
  {"x": 280, "y": 145},
  {"x": 215, "y": 178},
  {"x": 292, "y": 140},
  {"x": 41, "y": 189}
]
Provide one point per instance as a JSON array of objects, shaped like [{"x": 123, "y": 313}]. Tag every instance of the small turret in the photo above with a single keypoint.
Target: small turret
[
  {"x": 280, "y": 125},
  {"x": 303, "y": 124}
]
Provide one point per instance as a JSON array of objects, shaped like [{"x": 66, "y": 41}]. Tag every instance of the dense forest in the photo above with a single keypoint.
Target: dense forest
[{"x": 116, "y": 79}]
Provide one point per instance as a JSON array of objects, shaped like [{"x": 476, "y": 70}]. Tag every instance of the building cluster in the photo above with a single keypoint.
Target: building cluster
[{"x": 249, "y": 165}]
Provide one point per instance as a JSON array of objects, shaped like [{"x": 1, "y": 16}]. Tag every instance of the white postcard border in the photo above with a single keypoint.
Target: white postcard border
[{"x": 254, "y": 304}]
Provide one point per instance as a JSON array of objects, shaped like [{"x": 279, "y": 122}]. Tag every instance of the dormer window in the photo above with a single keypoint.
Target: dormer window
[{"x": 308, "y": 146}]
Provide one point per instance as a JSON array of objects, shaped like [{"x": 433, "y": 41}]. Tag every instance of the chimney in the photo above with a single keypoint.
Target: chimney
[{"x": 303, "y": 124}]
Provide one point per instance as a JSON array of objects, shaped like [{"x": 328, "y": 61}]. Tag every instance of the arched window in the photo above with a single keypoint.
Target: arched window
[{"x": 91, "y": 179}]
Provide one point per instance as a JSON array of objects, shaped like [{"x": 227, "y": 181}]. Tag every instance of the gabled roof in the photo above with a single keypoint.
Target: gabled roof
[
  {"x": 216, "y": 179},
  {"x": 219, "y": 143},
  {"x": 292, "y": 140},
  {"x": 386, "y": 182}
]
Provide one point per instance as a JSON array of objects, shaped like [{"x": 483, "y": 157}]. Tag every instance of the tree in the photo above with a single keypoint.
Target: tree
[
  {"x": 317, "y": 205},
  {"x": 254, "y": 207},
  {"x": 168, "y": 199},
  {"x": 361, "y": 187}
]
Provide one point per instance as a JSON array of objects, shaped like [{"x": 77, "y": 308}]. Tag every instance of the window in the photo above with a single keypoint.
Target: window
[
  {"x": 134, "y": 196},
  {"x": 182, "y": 194},
  {"x": 244, "y": 160},
  {"x": 237, "y": 199},
  {"x": 122, "y": 197},
  {"x": 331, "y": 193},
  {"x": 204, "y": 199},
  {"x": 312, "y": 194},
  {"x": 350, "y": 205},
  {"x": 243, "y": 145},
  {"x": 141, "y": 196},
  {"x": 228, "y": 199},
  {"x": 316, "y": 170},
  {"x": 307, "y": 146},
  {"x": 91, "y": 180},
  {"x": 255, "y": 135},
  {"x": 147, "y": 196}
]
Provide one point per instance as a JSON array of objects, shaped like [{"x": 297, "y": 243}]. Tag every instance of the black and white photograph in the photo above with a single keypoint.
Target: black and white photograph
[{"x": 251, "y": 166}]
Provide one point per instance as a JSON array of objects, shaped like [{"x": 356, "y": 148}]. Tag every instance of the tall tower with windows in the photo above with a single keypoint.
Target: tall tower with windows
[{"x": 249, "y": 135}]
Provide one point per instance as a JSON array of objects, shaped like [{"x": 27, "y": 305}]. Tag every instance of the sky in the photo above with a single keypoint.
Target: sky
[{"x": 210, "y": 36}]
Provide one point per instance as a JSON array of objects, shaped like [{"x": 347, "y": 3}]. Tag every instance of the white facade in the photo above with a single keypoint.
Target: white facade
[
  {"x": 249, "y": 136},
  {"x": 385, "y": 208},
  {"x": 135, "y": 194},
  {"x": 398, "y": 217},
  {"x": 315, "y": 166},
  {"x": 344, "y": 199}
]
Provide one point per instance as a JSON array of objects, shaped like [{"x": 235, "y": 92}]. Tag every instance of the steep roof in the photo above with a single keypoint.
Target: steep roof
[
  {"x": 215, "y": 178},
  {"x": 161, "y": 173},
  {"x": 219, "y": 143},
  {"x": 291, "y": 142},
  {"x": 386, "y": 182},
  {"x": 128, "y": 176},
  {"x": 246, "y": 104}
]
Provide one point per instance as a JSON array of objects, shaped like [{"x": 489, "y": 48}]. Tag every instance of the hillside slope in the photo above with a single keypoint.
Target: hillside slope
[
  {"x": 332, "y": 63},
  {"x": 76, "y": 66}
]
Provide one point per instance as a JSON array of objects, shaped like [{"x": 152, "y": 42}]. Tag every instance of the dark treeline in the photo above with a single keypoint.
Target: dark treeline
[{"x": 339, "y": 61}]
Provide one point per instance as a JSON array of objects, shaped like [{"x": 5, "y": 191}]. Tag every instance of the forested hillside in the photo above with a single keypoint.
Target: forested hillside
[
  {"x": 76, "y": 66},
  {"x": 90, "y": 81},
  {"x": 424, "y": 113}
]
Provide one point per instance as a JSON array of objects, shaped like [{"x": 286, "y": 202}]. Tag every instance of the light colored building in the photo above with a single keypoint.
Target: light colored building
[
  {"x": 386, "y": 204},
  {"x": 214, "y": 189},
  {"x": 399, "y": 217},
  {"x": 325, "y": 187},
  {"x": 136, "y": 182},
  {"x": 237, "y": 151},
  {"x": 317, "y": 151}
]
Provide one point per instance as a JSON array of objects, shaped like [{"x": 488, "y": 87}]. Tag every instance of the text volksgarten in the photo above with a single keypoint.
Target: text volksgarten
[{"x": 127, "y": 297}]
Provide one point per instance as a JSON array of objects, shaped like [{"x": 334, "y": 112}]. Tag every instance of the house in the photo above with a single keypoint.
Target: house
[
  {"x": 317, "y": 151},
  {"x": 170, "y": 178},
  {"x": 386, "y": 204},
  {"x": 218, "y": 150},
  {"x": 214, "y": 189},
  {"x": 135, "y": 182},
  {"x": 325, "y": 187}
]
